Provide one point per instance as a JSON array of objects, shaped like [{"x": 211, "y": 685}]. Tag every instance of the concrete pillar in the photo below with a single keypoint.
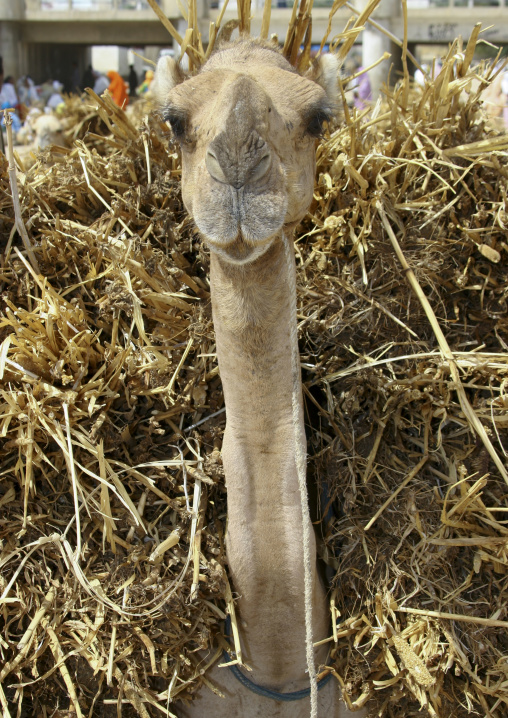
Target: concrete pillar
[
  {"x": 12, "y": 9},
  {"x": 411, "y": 46},
  {"x": 11, "y": 49},
  {"x": 375, "y": 43}
]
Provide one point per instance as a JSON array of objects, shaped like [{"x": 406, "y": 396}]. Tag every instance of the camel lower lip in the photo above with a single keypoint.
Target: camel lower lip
[{"x": 240, "y": 251}]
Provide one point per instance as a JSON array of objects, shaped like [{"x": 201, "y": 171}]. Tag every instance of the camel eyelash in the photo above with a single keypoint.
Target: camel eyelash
[
  {"x": 314, "y": 121},
  {"x": 176, "y": 119}
]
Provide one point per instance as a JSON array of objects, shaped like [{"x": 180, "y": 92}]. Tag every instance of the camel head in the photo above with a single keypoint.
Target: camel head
[{"x": 247, "y": 125}]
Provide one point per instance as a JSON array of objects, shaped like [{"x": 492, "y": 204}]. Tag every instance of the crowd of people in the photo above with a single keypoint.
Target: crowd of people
[
  {"x": 26, "y": 100},
  {"x": 122, "y": 89}
]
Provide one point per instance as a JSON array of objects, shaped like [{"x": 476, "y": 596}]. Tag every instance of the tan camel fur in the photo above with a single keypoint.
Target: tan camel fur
[{"x": 247, "y": 125}]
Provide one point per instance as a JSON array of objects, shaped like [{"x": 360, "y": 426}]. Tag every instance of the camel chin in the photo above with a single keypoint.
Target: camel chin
[{"x": 236, "y": 230}]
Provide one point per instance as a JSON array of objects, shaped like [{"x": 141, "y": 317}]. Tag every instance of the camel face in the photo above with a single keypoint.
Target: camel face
[{"x": 247, "y": 126}]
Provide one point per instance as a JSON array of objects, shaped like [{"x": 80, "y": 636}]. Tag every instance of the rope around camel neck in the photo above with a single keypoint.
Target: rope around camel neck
[{"x": 301, "y": 469}]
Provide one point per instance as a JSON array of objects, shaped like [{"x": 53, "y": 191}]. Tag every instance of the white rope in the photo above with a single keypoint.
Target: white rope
[{"x": 301, "y": 468}]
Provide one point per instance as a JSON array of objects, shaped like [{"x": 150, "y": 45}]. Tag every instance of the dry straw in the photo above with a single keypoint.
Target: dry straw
[{"x": 112, "y": 560}]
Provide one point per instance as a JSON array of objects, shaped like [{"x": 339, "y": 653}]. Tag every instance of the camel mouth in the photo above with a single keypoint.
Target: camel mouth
[{"x": 240, "y": 250}]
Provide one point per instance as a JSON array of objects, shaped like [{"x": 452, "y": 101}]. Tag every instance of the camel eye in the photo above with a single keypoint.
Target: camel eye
[
  {"x": 315, "y": 120},
  {"x": 177, "y": 120}
]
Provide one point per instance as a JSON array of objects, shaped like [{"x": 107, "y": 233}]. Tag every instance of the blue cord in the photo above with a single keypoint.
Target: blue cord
[{"x": 266, "y": 692}]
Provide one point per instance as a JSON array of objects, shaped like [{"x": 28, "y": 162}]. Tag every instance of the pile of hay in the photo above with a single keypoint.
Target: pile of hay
[{"x": 112, "y": 559}]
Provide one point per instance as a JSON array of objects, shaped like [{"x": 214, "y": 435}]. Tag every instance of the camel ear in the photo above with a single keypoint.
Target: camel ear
[
  {"x": 168, "y": 74},
  {"x": 325, "y": 71}
]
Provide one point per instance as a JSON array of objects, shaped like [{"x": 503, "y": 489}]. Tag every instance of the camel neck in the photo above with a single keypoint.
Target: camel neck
[{"x": 252, "y": 312}]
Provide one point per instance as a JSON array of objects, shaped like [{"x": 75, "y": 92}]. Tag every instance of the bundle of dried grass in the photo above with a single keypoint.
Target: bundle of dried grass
[
  {"x": 113, "y": 508},
  {"x": 96, "y": 365},
  {"x": 403, "y": 270}
]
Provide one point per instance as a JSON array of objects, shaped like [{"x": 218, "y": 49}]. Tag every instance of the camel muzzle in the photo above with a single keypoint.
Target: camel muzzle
[{"x": 237, "y": 167}]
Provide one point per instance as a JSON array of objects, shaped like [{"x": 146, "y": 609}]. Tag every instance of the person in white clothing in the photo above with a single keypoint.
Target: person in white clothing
[
  {"x": 8, "y": 93},
  {"x": 101, "y": 83},
  {"x": 56, "y": 98}
]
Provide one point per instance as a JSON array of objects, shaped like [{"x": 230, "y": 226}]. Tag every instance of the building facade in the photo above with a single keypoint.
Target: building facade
[{"x": 48, "y": 38}]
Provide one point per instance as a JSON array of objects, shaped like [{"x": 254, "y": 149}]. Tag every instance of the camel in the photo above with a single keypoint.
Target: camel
[{"x": 247, "y": 125}]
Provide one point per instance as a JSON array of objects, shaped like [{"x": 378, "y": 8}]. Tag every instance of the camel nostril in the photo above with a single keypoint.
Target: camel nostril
[
  {"x": 213, "y": 167},
  {"x": 261, "y": 168}
]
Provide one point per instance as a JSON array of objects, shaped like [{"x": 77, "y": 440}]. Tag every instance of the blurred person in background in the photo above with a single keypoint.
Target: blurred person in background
[
  {"x": 56, "y": 98},
  {"x": 27, "y": 92},
  {"x": 101, "y": 83},
  {"x": 133, "y": 81},
  {"x": 88, "y": 78},
  {"x": 145, "y": 85},
  {"x": 420, "y": 75},
  {"x": 363, "y": 91},
  {"x": 76, "y": 79},
  {"x": 16, "y": 122},
  {"x": 8, "y": 93},
  {"x": 118, "y": 89},
  {"x": 45, "y": 91}
]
